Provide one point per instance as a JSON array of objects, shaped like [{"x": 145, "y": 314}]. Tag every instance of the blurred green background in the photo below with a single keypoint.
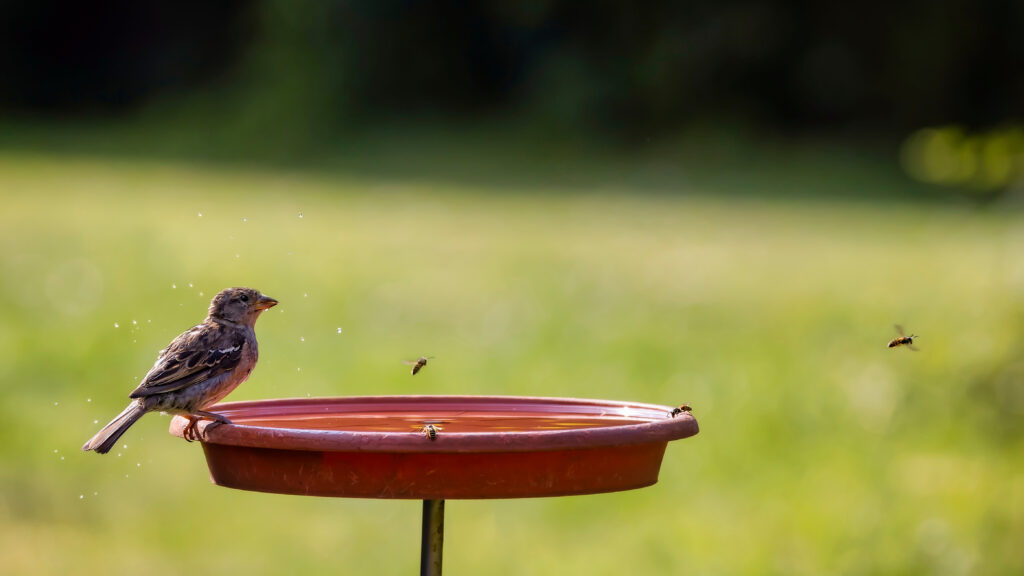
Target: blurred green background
[{"x": 725, "y": 204}]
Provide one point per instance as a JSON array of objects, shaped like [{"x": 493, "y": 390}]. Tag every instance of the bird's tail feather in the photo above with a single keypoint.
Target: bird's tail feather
[{"x": 105, "y": 439}]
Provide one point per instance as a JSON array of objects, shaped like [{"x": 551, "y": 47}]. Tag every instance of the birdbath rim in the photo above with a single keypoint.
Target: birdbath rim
[{"x": 610, "y": 423}]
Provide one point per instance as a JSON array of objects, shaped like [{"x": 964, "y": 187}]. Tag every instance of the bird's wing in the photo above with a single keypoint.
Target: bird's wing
[{"x": 204, "y": 352}]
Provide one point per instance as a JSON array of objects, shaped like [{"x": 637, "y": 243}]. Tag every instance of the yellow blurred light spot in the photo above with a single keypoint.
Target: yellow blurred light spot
[
  {"x": 947, "y": 156},
  {"x": 996, "y": 166},
  {"x": 927, "y": 155}
]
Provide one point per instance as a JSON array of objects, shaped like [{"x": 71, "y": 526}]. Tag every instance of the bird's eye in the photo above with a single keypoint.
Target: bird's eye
[{"x": 244, "y": 298}]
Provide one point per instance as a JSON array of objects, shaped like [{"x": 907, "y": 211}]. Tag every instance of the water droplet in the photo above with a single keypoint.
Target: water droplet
[
  {"x": 56, "y": 403},
  {"x": 149, "y": 321},
  {"x": 302, "y": 338},
  {"x": 95, "y": 421},
  {"x": 237, "y": 255},
  {"x": 118, "y": 454},
  {"x": 339, "y": 329},
  {"x": 81, "y": 496},
  {"x": 55, "y": 450},
  {"x": 134, "y": 323},
  {"x": 300, "y": 214},
  {"x": 125, "y": 446},
  {"x": 116, "y": 325},
  {"x": 244, "y": 219},
  {"x": 298, "y": 369},
  {"x": 138, "y": 464},
  {"x": 88, "y": 399},
  {"x": 200, "y": 293},
  {"x": 61, "y": 457},
  {"x": 95, "y": 493},
  {"x": 174, "y": 286},
  {"x": 189, "y": 284},
  {"x": 200, "y": 214}
]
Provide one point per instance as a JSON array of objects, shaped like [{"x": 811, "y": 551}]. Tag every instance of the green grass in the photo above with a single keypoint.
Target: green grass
[{"x": 820, "y": 450}]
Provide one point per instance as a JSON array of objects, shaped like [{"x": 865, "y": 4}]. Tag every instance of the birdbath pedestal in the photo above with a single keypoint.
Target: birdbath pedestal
[{"x": 481, "y": 447}]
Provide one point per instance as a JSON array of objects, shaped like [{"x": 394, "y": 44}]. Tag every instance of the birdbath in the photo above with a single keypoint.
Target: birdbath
[{"x": 481, "y": 447}]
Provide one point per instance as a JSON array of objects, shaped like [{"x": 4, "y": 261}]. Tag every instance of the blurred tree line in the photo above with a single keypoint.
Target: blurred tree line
[{"x": 620, "y": 69}]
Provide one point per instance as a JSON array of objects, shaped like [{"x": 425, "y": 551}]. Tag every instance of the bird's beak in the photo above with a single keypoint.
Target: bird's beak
[{"x": 265, "y": 302}]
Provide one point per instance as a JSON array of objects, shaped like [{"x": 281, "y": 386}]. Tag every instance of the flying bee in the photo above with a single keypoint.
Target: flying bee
[
  {"x": 903, "y": 340},
  {"x": 430, "y": 430},
  {"x": 417, "y": 365},
  {"x": 677, "y": 411}
]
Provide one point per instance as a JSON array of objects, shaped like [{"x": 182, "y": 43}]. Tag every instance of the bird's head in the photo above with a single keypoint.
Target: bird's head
[{"x": 240, "y": 305}]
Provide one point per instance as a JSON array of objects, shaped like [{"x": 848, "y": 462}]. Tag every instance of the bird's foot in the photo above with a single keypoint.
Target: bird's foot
[
  {"x": 212, "y": 416},
  {"x": 216, "y": 423},
  {"x": 216, "y": 419},
  {"x": 192, "y": 430}
]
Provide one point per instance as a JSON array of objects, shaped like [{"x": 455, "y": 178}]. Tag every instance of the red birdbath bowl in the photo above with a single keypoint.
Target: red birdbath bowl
[{"x": 485, "y": 446}]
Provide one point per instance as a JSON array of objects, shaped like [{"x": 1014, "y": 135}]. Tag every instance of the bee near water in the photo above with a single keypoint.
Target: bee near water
[
  {"x": 683, "y": 408},
  {"x": 417, "y": 365},
  {"x": 902, "y": 339},
  {"x": 430, "y": 431}
]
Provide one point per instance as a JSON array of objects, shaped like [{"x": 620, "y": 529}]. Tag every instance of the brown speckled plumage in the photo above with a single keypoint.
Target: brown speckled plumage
[{"x": 198, "y": 368}]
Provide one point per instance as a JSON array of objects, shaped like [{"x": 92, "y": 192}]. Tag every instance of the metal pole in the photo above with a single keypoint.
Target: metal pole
[{"x": 432, "y": 543}]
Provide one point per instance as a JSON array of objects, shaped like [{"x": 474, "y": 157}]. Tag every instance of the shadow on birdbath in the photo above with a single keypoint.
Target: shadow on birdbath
[{"x": 435, "y": 448}]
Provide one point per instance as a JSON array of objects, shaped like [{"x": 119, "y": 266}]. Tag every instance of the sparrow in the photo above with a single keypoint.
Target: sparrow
[{"x": 198, "y": 368}]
